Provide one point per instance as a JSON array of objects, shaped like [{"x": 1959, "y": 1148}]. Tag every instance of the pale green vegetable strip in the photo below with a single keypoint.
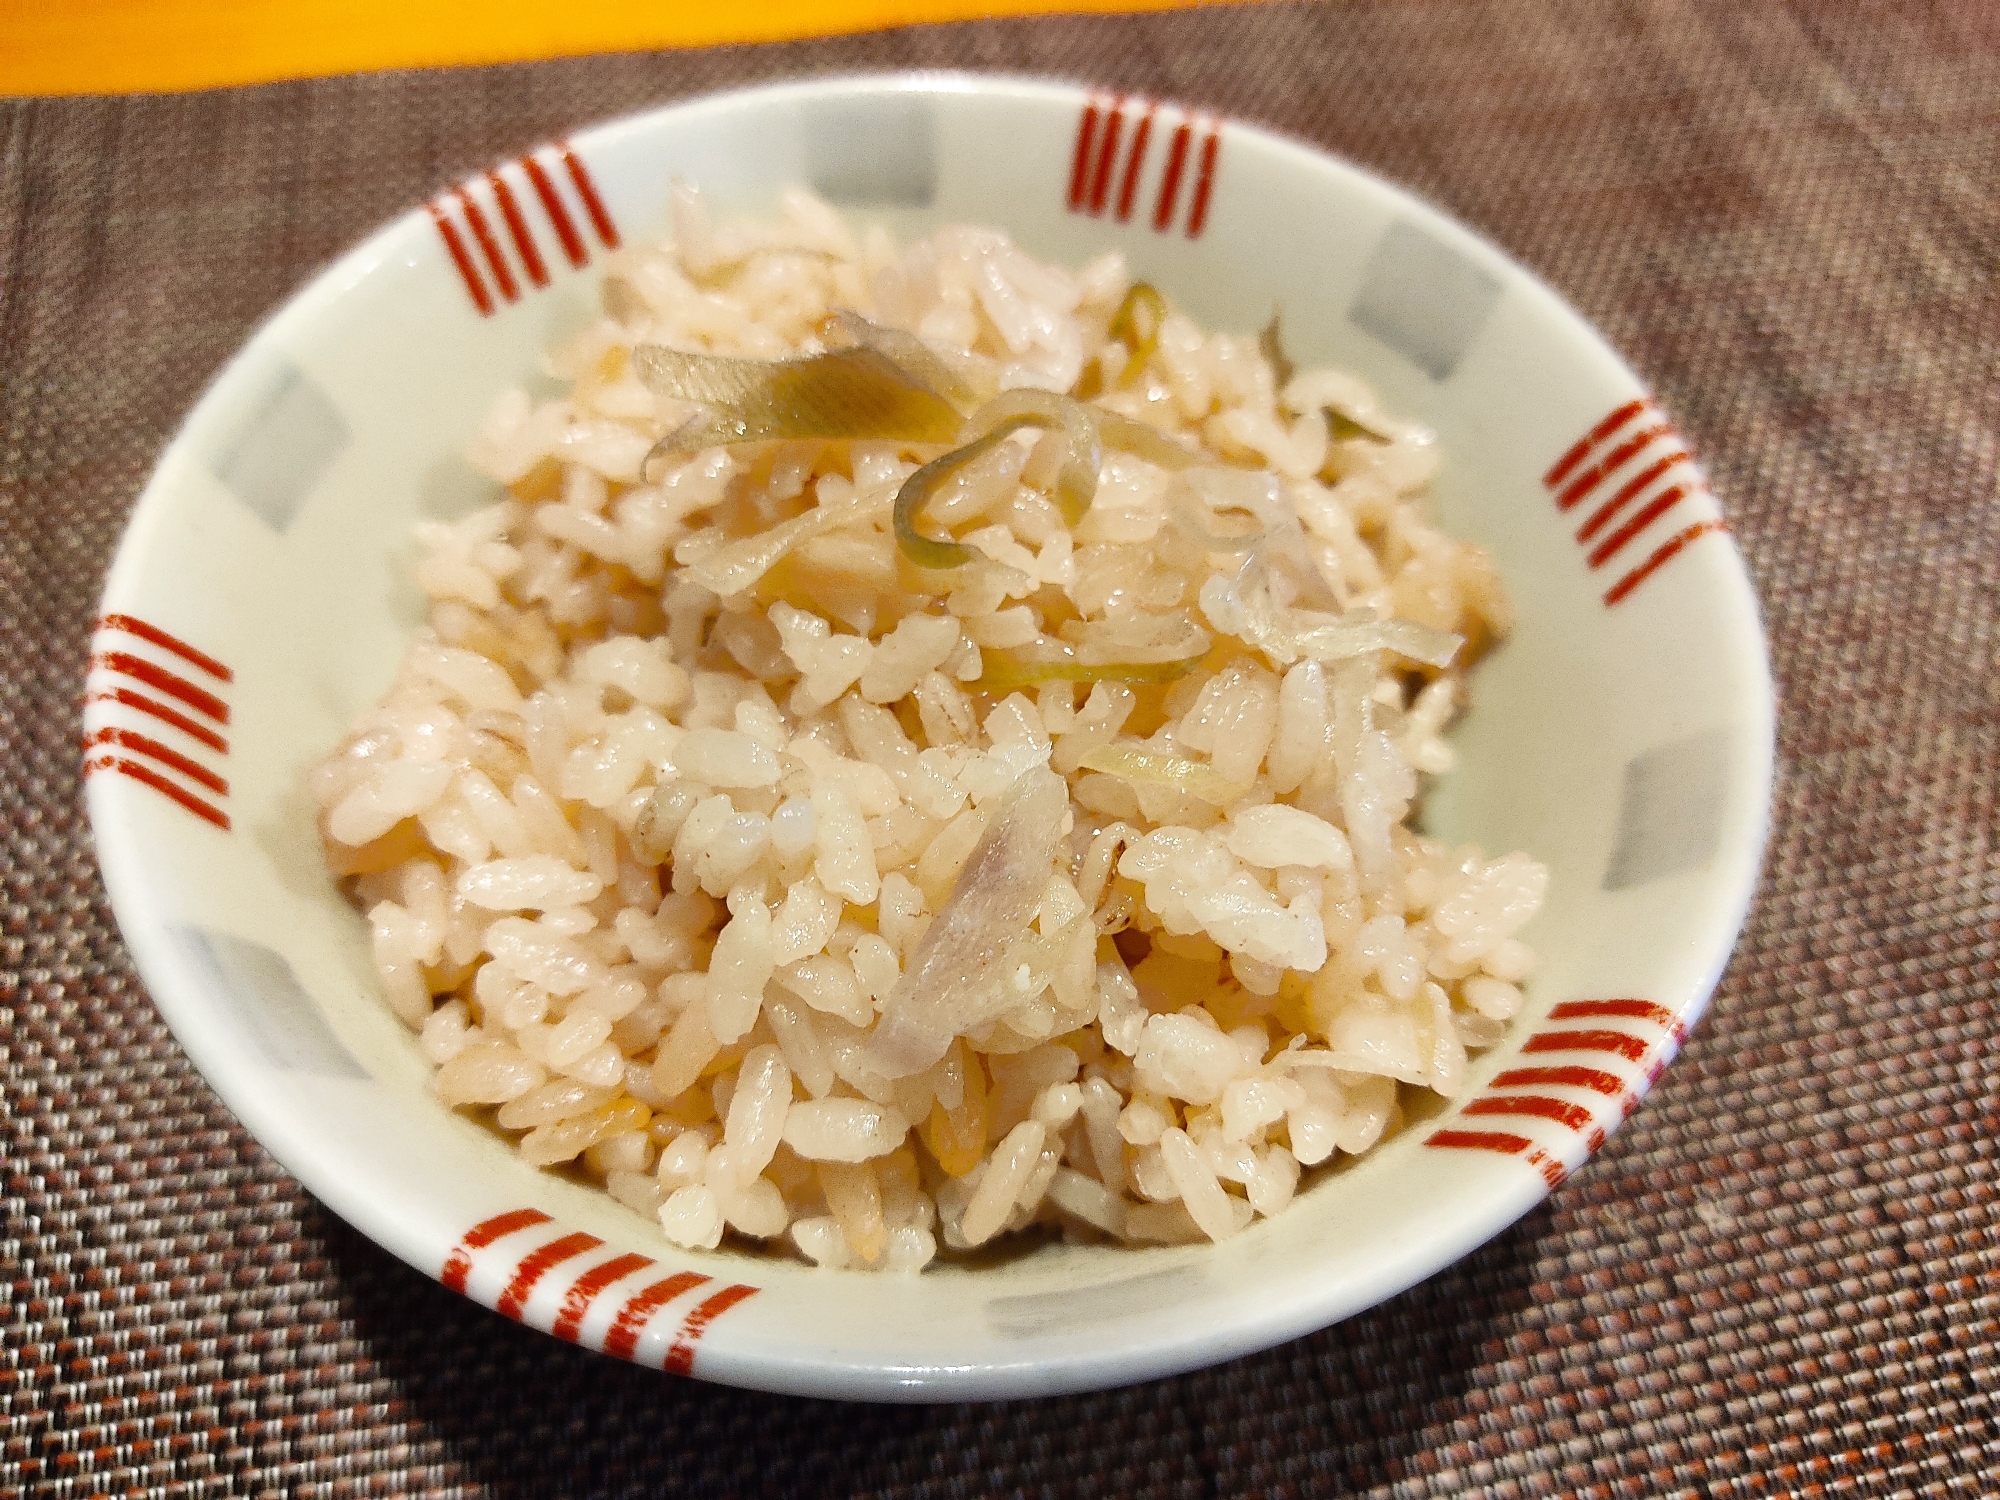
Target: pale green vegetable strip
[{"x": 1130, "y": 762}]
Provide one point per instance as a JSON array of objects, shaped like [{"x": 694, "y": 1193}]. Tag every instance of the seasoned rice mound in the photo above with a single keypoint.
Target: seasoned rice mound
[{"x": 719, "y": 840}]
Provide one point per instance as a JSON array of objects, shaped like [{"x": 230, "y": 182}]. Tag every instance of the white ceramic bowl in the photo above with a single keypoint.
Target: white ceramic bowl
[{"x": 262, "y": 597}]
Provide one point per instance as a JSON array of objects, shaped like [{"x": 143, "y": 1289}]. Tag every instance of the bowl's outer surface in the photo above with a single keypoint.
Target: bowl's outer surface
[{"x": 261, "y": 598}]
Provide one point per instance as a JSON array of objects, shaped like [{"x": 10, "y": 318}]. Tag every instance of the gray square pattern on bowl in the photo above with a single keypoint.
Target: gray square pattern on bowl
[
  {"x": 291, "y": 438},
  {"x": 1130, "y": 1296},
  {"x": 1670, "y": 816},
  {"x": 1423, "y": 299},
  {"x": 272, "y": 1008},
  {"x": 885, "y": 158}
]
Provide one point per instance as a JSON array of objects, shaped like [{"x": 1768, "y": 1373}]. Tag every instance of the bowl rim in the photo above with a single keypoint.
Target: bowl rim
[{"x": 1179, "y": 1345}]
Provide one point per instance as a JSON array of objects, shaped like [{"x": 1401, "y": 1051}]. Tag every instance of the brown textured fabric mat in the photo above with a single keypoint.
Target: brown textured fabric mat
[{"x": 1783, "y": 1277}]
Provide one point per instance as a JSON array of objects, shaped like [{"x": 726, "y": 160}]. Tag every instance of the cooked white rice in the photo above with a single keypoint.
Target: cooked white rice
[{"x": 652, "y": 827}]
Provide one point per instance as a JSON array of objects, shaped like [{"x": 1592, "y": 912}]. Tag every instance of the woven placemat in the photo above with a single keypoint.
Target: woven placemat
[{"x": 1782, "y": 1278}]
